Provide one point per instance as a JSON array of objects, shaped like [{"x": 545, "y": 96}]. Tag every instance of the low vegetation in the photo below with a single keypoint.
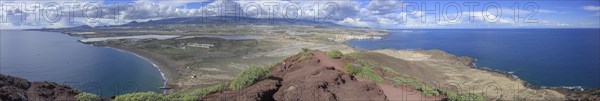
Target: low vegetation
[
  {"x": 597, "y": 92},
  {"x": 244, "y": 79},
  {"x": 196, "y": 94},
  {"x": 369, "y": 73},
  {"x": 334, "y": 54},
  {"x": 305, "y": 53},
  {"x": 351, "y": 69},
  {"x": 428, "y": 91},
  {"x": 466, "y": 97},
  {"x": 248, "y": 77},
  {"x": 460, "y": 97},
  {"x": 389, "y": 70},
  {"x": 141, "y": 96},
  {"x": 365, "y": 69},
  {"x": 87, "y": 97},
  {"x": 399, "y": 80}
]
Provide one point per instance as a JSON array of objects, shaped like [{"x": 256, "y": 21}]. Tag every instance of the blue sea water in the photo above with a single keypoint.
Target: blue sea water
[
  {"x": 49, "y": 56},
  {"x": 542, "y": 57}
]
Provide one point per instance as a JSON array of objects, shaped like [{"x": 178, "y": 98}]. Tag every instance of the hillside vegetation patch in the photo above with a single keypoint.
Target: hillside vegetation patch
[
  {"x": 248, "y": 77},
  {"x": 335, "y": 54}
]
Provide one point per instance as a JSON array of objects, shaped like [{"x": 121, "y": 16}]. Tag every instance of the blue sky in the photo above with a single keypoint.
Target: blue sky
[{"x": 387, "y": 14}]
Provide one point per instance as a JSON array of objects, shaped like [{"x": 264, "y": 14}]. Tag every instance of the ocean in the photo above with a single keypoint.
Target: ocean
[
  {"x": 56, "y": 57},
  {"x": 542, "y": 57}
]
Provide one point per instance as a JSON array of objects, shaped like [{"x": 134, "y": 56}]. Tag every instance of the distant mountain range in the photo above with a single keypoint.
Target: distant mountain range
[
  {"x": 233, "y": 20},
  {"x": 219, "y": 21}
]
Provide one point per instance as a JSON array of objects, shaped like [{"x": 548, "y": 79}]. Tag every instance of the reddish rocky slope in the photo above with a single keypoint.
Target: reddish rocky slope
[
  {"x": 18, "y": 89},
  {"x": 309, "y": 76}
]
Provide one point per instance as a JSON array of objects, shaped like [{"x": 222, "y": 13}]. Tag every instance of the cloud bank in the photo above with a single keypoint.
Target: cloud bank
[{"x": 374, "y": 14}]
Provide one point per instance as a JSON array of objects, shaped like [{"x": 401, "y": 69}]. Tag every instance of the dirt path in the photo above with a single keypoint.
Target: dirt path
[{"x": 325, "y": 60}]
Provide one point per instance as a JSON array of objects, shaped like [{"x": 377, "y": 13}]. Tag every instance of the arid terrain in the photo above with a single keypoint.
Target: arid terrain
[{"x": 440, "y": 69}]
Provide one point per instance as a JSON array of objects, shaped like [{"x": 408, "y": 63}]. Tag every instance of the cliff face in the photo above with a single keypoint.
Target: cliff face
[
  {"x": 306, "y": 76},
  {"x": 18, "y": 89}
]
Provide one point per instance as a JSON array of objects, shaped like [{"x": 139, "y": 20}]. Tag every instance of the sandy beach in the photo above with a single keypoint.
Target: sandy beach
[{"x": 165, "y": 66}]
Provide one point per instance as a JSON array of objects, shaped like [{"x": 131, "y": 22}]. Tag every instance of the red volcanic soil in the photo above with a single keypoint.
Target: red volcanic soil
[
  {"x": 317, "y": 77},
  {"x": 18, "y": 89}
]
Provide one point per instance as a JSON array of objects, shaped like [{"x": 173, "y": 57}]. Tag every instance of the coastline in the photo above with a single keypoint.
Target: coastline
[
  {"x": 168, "y": 71},
  {"x": 472, "y": 64},
  {"x": 162, "y": 74},
  {"x": 456, "y": 73},
  {"x": 161, "y": 64},
  {"x": 486, "y": 72},
  {"x": 164, "y": 66}
]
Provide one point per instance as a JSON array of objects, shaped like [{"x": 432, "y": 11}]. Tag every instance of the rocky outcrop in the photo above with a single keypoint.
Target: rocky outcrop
[
  {"x": 18, "y": 89},
  {"x": 305, "y": 77}
]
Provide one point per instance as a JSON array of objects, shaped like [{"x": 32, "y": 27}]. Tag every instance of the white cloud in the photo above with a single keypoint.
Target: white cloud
[
  {"x": 384, "y": 6},
  {"x": 354, "y": 22},
  {"x": 377, "y": 13},
  {"x": 591, "y": 8},
  {"x": 386, "y": 22}
]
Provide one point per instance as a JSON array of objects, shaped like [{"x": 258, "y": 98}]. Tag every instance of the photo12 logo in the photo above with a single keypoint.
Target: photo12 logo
[
  {"x": 120, "y": 12},
  {"x": 115, "y": 12},
  {"x": 455, "y": 12},
  {"x": 55, "y": 11}
]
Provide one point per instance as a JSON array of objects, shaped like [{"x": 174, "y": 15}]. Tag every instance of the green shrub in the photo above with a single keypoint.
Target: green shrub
[
  {"x": 448, "y": 93},
  {"x": 389, "y": 70},
  {"x": 597, "y": 92},
  {"x": 351, "y": 69},
  {"x": 140, "y": 96},
  {"x": 366, "y": 71},
  {"x": 466, "y": 97},
  {"x": 305, "y": 53},
  {"x": 203, "y": 91},
  {"x": 196, "y": 94},
  {"x": 334, "y": 54},
  {"x": 304, "y": 50},
  {"x": 428, "y": 91},
  {"x": 87, "y": 97},
  {"x": 369, "y": 73},
  {"x": 248, "y": 77}
]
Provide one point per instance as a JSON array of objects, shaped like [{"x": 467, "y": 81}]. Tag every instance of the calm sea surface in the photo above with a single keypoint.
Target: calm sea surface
[
  {"x": 48, "y": 56},
  {"x": 542, "y": 57}
]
